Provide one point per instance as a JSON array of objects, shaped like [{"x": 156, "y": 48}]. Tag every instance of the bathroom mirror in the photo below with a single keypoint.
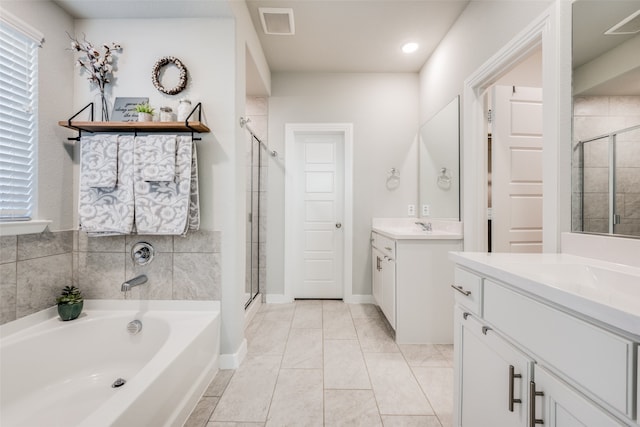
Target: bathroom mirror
[
  {"x": 439, "y": 164},
  {"x": 606, "y": 117}
]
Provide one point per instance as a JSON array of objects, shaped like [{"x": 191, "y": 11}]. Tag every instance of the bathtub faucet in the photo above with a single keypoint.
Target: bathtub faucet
[
  {"x": 425, "y": 227},
  {"x": 132, "y": 283}
]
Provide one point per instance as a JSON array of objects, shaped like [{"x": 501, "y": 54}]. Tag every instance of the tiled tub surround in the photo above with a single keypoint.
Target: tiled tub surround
[
  {"x": 594, "y": 116},
  {"x": 35, "y": 267},
  {"x": 167, "y": 365}
]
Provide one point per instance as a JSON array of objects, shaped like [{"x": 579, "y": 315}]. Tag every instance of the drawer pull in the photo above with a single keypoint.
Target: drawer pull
[
  {"x": 461, "y": 290},
  {"x": 485, "y": 329},
  {"x": 512, "y": 376},
  {"x": 532, "y": 405},
  {"x": 465, "y": 315},
  {"x": 388, "y": 248}
]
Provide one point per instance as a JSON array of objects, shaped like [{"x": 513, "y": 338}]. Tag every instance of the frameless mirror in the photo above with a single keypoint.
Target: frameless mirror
[
  {"x": 606, "y": 117},
  {"x": 439, "y": 164}
]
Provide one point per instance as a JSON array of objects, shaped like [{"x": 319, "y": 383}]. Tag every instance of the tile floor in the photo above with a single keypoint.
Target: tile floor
[{"x": 326, "y": 363}]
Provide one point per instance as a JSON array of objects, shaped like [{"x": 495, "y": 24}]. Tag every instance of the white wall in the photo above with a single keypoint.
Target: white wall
[
  {"x": 55, "y": 155},
  {"x": 482, "y": 29},
  {"x": 384, "y": 111}
]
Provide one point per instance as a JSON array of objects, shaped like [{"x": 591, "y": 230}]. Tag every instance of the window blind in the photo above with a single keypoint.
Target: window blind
[{"x": 18, "y": 123}]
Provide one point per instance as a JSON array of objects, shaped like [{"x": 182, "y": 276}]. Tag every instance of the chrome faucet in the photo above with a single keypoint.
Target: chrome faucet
[
  {"x": 132, "y": 283},
  {"x": 425, "y": 226}
]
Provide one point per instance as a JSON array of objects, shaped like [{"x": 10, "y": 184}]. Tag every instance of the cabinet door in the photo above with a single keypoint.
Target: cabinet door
[
  {"x": 493, "y": 377},
  {"x": 376, "y": 275},
  {"x": 389, "y": 290},
  {"x": 561, "y": 406}
]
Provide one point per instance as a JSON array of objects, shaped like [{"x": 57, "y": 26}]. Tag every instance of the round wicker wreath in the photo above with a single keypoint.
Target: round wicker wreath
[{"x": 155, "y": 74}]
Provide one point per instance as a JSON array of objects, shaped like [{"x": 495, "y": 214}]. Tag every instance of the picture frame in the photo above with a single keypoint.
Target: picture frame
[{"x": 124, "y": 109}]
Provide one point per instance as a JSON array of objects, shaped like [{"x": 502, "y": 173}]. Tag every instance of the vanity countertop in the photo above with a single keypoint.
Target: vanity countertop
[
  {"x": 410, "y": 229},
  {"x": 604, "y": 291}
]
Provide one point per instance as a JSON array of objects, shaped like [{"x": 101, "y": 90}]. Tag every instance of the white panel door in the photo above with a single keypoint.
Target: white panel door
[
  {"x": 317, "y": 214},
  {"x": 517, "y": 169}
]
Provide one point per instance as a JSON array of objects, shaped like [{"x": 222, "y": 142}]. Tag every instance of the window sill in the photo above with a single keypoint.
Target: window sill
[{"x": 13, "y": 228}]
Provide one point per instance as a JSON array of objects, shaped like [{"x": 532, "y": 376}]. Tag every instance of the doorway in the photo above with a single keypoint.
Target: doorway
[{"x": 318, "y": 211}]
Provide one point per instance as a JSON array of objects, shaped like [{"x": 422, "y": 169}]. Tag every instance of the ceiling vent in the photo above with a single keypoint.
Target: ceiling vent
[
  {"x": 278, "y": 21},
  {"x": 629, "y": 25}
]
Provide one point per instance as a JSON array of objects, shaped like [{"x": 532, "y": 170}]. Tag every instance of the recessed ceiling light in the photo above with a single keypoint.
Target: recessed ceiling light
[{"x": 409, "y": 47}]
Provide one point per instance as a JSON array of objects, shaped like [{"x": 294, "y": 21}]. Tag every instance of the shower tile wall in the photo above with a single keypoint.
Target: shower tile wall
[
  {"x": 257, "y": 167},
  {"x": 35, "y": 267},
  {"x": 597, "y": 115}
]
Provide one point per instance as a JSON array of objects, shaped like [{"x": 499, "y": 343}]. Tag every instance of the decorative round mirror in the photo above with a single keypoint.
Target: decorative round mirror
[{"x": 158, "y": 70}]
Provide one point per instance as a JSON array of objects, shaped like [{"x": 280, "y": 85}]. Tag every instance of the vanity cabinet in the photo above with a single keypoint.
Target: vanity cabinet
[
  {"x": 384, "y": 275},
  {"x": 521, "y": 361}
]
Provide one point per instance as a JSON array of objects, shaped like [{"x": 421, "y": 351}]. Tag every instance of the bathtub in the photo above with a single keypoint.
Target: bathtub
[{"x": 55, "y": 373}]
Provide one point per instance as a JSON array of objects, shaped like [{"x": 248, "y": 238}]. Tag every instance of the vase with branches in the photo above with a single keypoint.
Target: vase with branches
[{"x": 99, "y": 65}]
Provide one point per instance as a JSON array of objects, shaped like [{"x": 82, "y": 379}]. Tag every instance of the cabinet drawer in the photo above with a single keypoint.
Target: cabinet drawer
[
  {"x": 386, "y": 245},
  {"x": 598, "y": 362},
  {"x": 468, "y": 290}
]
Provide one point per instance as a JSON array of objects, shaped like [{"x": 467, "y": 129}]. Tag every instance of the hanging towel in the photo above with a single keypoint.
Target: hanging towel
[
  {"x": 194, "y": 200},
  {"x": 158, "y": 157},
  {"x": 164, "y": 207},
  {"x": 99, "y": 160},
  {"x": 109, "y": 211}
]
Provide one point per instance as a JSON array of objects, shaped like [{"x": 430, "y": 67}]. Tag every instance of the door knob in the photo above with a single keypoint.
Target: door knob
[{"x": 338, "y": 225}]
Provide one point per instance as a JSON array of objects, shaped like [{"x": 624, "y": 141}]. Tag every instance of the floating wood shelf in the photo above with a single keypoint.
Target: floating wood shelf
[{"x": 194, "y": 126}]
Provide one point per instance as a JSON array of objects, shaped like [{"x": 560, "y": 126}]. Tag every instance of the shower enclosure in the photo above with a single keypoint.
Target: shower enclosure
[
  {"x": 256, "y": 197},
  {"x": 607, "y": 175}
]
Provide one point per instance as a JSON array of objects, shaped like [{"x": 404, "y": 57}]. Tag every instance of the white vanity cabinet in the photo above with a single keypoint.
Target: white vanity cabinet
[
  {"x": 411, "y": 279},
  {"x": 562, "y": 369}
]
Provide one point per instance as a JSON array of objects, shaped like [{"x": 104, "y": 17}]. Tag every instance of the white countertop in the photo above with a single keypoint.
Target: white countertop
[
  {"x": 408, "y": 229},
  {"x": 604, "y": 291}
]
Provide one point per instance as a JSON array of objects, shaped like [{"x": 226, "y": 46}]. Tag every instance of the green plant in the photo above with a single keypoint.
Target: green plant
[
  {"x": 144, "y": 108},
  {"x": 70, "y": 295}
]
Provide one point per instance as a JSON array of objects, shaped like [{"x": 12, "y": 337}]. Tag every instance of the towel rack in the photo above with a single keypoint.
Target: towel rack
[{"x": 192, "y": 126}]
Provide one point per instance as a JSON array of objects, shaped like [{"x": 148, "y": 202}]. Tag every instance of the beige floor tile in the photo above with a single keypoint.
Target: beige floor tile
[
  {"x": 297, "y": 399},
  {"x": 338, "y": 325},
  {"x": 423, "y": 355},
  {"x": 446, "y": 420},
  {"x": 353, "y": 408},
  {"x": 375, "y": 336},
  {"x": 359, "y": 311},
  {"x": 201, "y": 413},
  {"x": 410, "y": 421},
  {"x": 304, "y": 349},
  {"x": 437, "y": 384},
  {"x": 344, "y": 366},
  {"x": 333, "y": 306},
  {"x": 252, "y": 328},
  {"x": 279, "y": 312},
  {"x": 270, "y": 337},
  {"x": 219, "y": 383},
  {"x": 447, "y": 351},
  {"x": 307, "y": 316},
  {"x": 397, "y": 391},
  {"x": 248, "y": 395},
  {"x": 232, "y": 424}
]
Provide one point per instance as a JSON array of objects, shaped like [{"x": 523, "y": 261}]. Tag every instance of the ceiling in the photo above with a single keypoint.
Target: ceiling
[
  {"x": 356, "y": 35},
  {"x": 123, "y": 9}
]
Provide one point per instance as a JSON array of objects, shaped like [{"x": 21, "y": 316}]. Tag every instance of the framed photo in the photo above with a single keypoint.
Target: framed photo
[{"x": 124, "y": 109}]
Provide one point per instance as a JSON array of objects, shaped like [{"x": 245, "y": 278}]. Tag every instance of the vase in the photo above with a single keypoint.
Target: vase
[
  {"x": 145, "y": 117},
  {"x": 70, "y": 311},
  {"x": 105, "y": 107}
]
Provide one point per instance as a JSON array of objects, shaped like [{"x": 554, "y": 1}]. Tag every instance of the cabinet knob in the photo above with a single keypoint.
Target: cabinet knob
[{"x": 338, "y": 225}]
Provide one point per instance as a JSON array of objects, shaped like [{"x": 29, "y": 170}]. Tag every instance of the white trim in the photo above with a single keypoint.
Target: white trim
[
  {"x": 278, "y": 299},
  {"x": 360, "y": 299},
  {"x": 552, "y": 30},
  {"x": 21, "y": 26},
  {"x": 347, "y": 224},
  {"x": 233, "y": 360},
  {"x": 13, "y": 228}
]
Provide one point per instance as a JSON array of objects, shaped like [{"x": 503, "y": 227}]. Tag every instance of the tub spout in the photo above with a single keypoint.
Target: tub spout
[{"x": 132, "y": 283}]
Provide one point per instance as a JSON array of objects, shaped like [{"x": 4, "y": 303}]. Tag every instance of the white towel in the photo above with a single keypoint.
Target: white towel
[
  {"x": 107, "y": 211},
  {"x": 158, "y": 157},
  {"x": 99, "y": 160},
  {"x": 194, "y": 202},
  {"x": 164, "y": 207}
]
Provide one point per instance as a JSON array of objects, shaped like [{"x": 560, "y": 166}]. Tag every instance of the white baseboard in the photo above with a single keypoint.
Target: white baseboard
[
  {"x": 360, "y": 299},
  {"x": 233, "y": 361},
  {"x": 278, "y": 299}
]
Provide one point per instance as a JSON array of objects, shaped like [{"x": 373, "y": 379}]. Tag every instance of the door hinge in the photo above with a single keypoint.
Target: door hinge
[
  {"x": 489, "y": 116},
  {"x": 489, "y": 213}
]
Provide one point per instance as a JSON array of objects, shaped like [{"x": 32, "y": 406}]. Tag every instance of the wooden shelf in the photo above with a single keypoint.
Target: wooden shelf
[{"x": 194, "y": 126}]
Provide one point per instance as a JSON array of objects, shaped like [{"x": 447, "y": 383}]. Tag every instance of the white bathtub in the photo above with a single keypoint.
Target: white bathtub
[{"x": 55, "y": 373}]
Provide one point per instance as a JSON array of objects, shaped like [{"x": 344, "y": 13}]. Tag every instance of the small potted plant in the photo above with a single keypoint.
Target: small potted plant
[
  {"x": 70, "y": 303},
  {"x": 145, "y": 112}
]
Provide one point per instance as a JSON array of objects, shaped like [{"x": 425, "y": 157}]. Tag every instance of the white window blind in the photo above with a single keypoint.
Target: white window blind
[{"x": 18, "y": 123}]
